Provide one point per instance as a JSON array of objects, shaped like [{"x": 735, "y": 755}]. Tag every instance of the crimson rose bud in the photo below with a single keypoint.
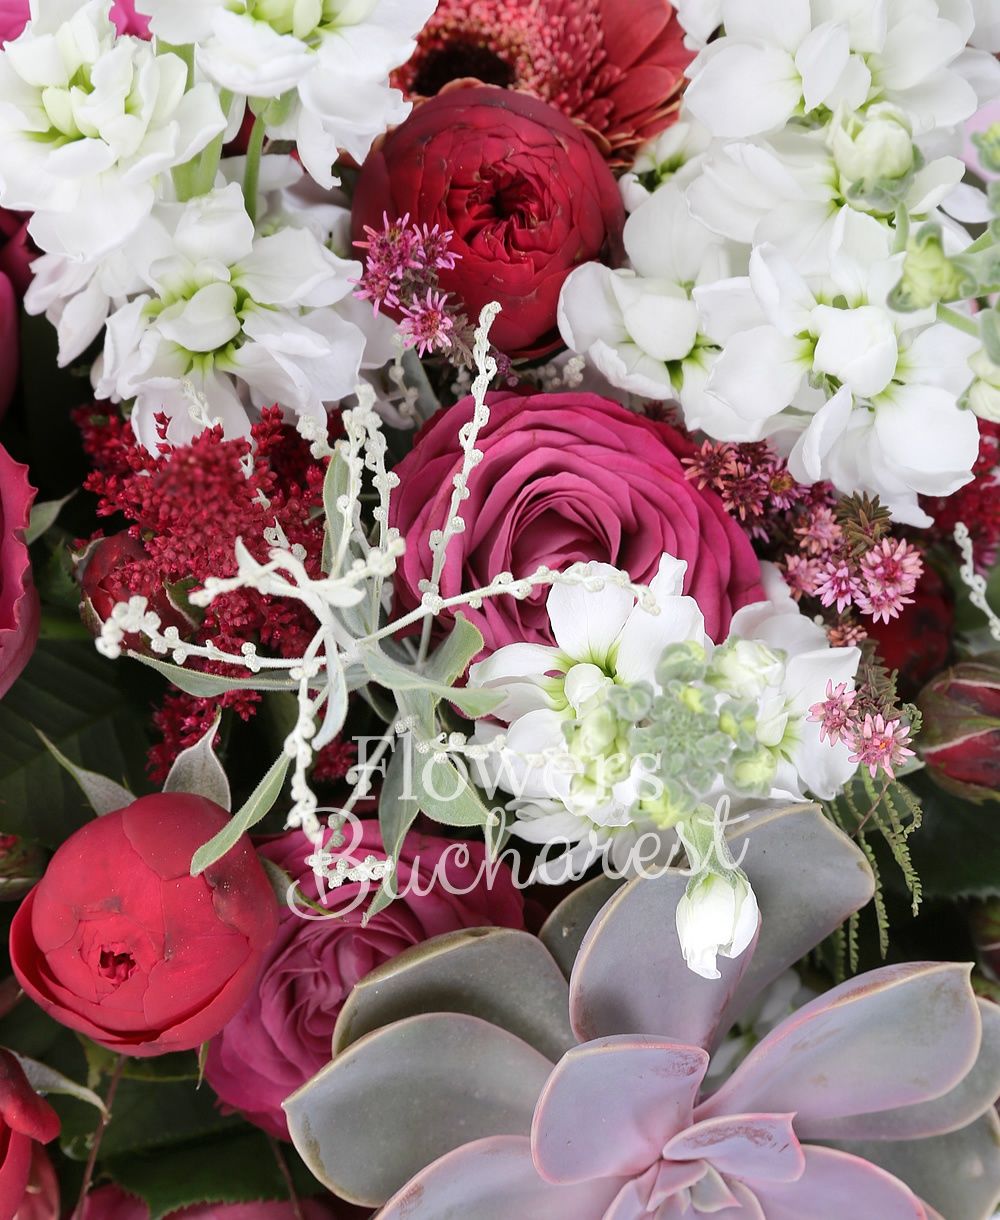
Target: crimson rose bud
[
  {"x": 525, "y": 193},
  {"x": 106, "y": 571},
  {"x": 960, "y": 737},
  {"x": 120, "y": 942},
  {"x": 25, "y": 1121}
]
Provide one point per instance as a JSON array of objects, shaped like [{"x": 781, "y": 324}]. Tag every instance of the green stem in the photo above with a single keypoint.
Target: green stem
[
  {"x": 197, "y": 177},
  {"x": 98, "y": 1136},
  {"x": 968, "y": 326},
  {"x": 251, "y": 175}
]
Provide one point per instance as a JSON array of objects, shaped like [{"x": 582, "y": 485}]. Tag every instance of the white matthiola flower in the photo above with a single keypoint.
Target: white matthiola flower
[
  {"x": 881, "y": 411},
  {"x": 716, "y": 915},
  {"x": 89, "y": 123},
  {"x": 789, "y": 190},
  {"x": 227, "y": 303},
  {"x": 674, "y": 156},
  {"x": 326, "y": 64},
  {"x": 640, "y": 327},
  {"x": 699, "y": 20},
  {"x": 633, "y": 718},
  {"x": 789, "y": 57}
]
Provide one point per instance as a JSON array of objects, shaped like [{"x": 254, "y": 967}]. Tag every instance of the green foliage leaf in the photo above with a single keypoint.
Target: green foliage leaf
[
  {"x": 397, "y": 677},
  {"x": 450, "y": 661},
  {"x": 148, "y": 1117},
  {"x": 338, "y": 527},
  {"x": 103, "y": 794},
  {"x": 43, "y": 517},
  {"x": 396, "y": 814},
  {"x": 957, "y": 852},
  {"x": 258, "y": 806},
  {"x": 197, "y": 770},
  {"x": 45, "y": 1080},
  {"x": 240, "y": 1167},
  {"x": 86, "y": 706},
  {"x": 193, "y": 682}
]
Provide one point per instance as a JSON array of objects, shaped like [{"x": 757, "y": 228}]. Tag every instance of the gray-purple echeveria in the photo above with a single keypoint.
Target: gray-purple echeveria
[{"x": 469, "y": 1079}]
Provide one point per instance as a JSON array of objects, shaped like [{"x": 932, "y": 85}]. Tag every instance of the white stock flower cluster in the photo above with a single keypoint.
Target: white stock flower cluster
[
  {"x": 713, "y": 720},
  {"x": 768, "y": 228},
  {"x": 220, "y": 283}
]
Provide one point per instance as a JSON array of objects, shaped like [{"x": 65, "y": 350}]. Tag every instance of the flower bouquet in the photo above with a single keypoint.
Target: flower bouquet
[{"x": 499, "y": 609}]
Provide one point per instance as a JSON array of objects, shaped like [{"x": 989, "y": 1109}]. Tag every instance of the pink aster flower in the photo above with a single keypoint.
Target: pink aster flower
[
  {"x": 821, "y": 532},
  {"x": 890, "y": 572},
  {"x": 427, "y": 323},
  {"x": 881, "y": 743},
  {"x": 613, "y": 67},
  {"x": 837, "y": 584},
  {"x": 802, "y": 575},
  {"x": 833, "y": 714}
]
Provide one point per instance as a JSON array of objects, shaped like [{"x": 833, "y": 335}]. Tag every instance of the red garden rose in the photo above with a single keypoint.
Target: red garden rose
[
  {"x": 565, "y": 478},
  {"x": 120, "y": 942},
  {"x": 25, "y": 1122},
  {"x": 526, "y": 194},
  {"x": 286, "y": 1026},
  {"x": 19, "y": 609}
]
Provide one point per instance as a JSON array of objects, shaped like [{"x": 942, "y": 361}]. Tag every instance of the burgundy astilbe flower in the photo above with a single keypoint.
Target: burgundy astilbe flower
[
  {"x": 615, "y": 68},
  {"x": 186, "y": 509}
]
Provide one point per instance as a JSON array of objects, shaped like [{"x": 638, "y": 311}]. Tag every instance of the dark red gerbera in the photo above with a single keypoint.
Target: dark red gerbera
[{"x": 615, "y": 66}]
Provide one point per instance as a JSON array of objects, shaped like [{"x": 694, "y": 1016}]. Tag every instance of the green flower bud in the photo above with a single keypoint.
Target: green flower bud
[
  {"x": 752, "y": 771},
  {"x": 873, "y": 148},
  {"x": 684, "y": 662},
  {"x": 929, "y": 275}
]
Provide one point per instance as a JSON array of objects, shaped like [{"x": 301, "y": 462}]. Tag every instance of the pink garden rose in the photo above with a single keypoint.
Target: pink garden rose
[
  {"x": 565, "y": 478},
  {"x": 19, "y": 610},
  {"x": 113, "y": 1203},
  {"x": 284, "y": 1030}
]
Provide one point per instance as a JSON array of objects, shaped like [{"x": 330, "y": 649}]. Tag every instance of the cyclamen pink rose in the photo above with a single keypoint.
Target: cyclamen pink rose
[
  {"x": 19, "y": 608},
  {"x": 285, "y": 1028},
  {"x": 565, "y": 478}
]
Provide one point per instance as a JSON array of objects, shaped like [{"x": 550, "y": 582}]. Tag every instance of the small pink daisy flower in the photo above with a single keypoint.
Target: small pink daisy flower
[
  {"x": 880, "y": 743},
  {"x": 833, "y": 714}
]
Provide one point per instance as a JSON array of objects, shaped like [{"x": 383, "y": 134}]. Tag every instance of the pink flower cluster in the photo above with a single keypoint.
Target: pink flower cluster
[
  {"x": 402, "y": 263},
  {"x": 878, "y": 583},
  {"x": 877, "y": 743},
  {"x": 812, "y": 548}
]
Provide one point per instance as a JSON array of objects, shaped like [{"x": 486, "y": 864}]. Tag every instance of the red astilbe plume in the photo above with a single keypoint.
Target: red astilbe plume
[{"x": 187, "y": 508}]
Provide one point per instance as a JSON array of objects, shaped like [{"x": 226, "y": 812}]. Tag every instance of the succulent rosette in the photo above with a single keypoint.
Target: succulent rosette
[{"x": 838, "y": 1110}]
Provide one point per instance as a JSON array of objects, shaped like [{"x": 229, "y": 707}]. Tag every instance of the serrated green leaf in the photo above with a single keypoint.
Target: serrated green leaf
[
  {"x": 207, "y": 686},
  {"x": 103, "y": 794},
  {"x": 238, "y": 1167},
  {"x": 149, "y": 1117},
  {"x": 396, "y": 677},
  {"x": 86, "y": 706},
  {"x": 258, "y": 805},
  {"x": 197, "y": 770}
]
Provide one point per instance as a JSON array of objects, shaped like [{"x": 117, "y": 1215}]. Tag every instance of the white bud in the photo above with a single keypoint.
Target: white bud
[
  {"x": 717, "y": 914},
  {"x": 874, "y": 146}
]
